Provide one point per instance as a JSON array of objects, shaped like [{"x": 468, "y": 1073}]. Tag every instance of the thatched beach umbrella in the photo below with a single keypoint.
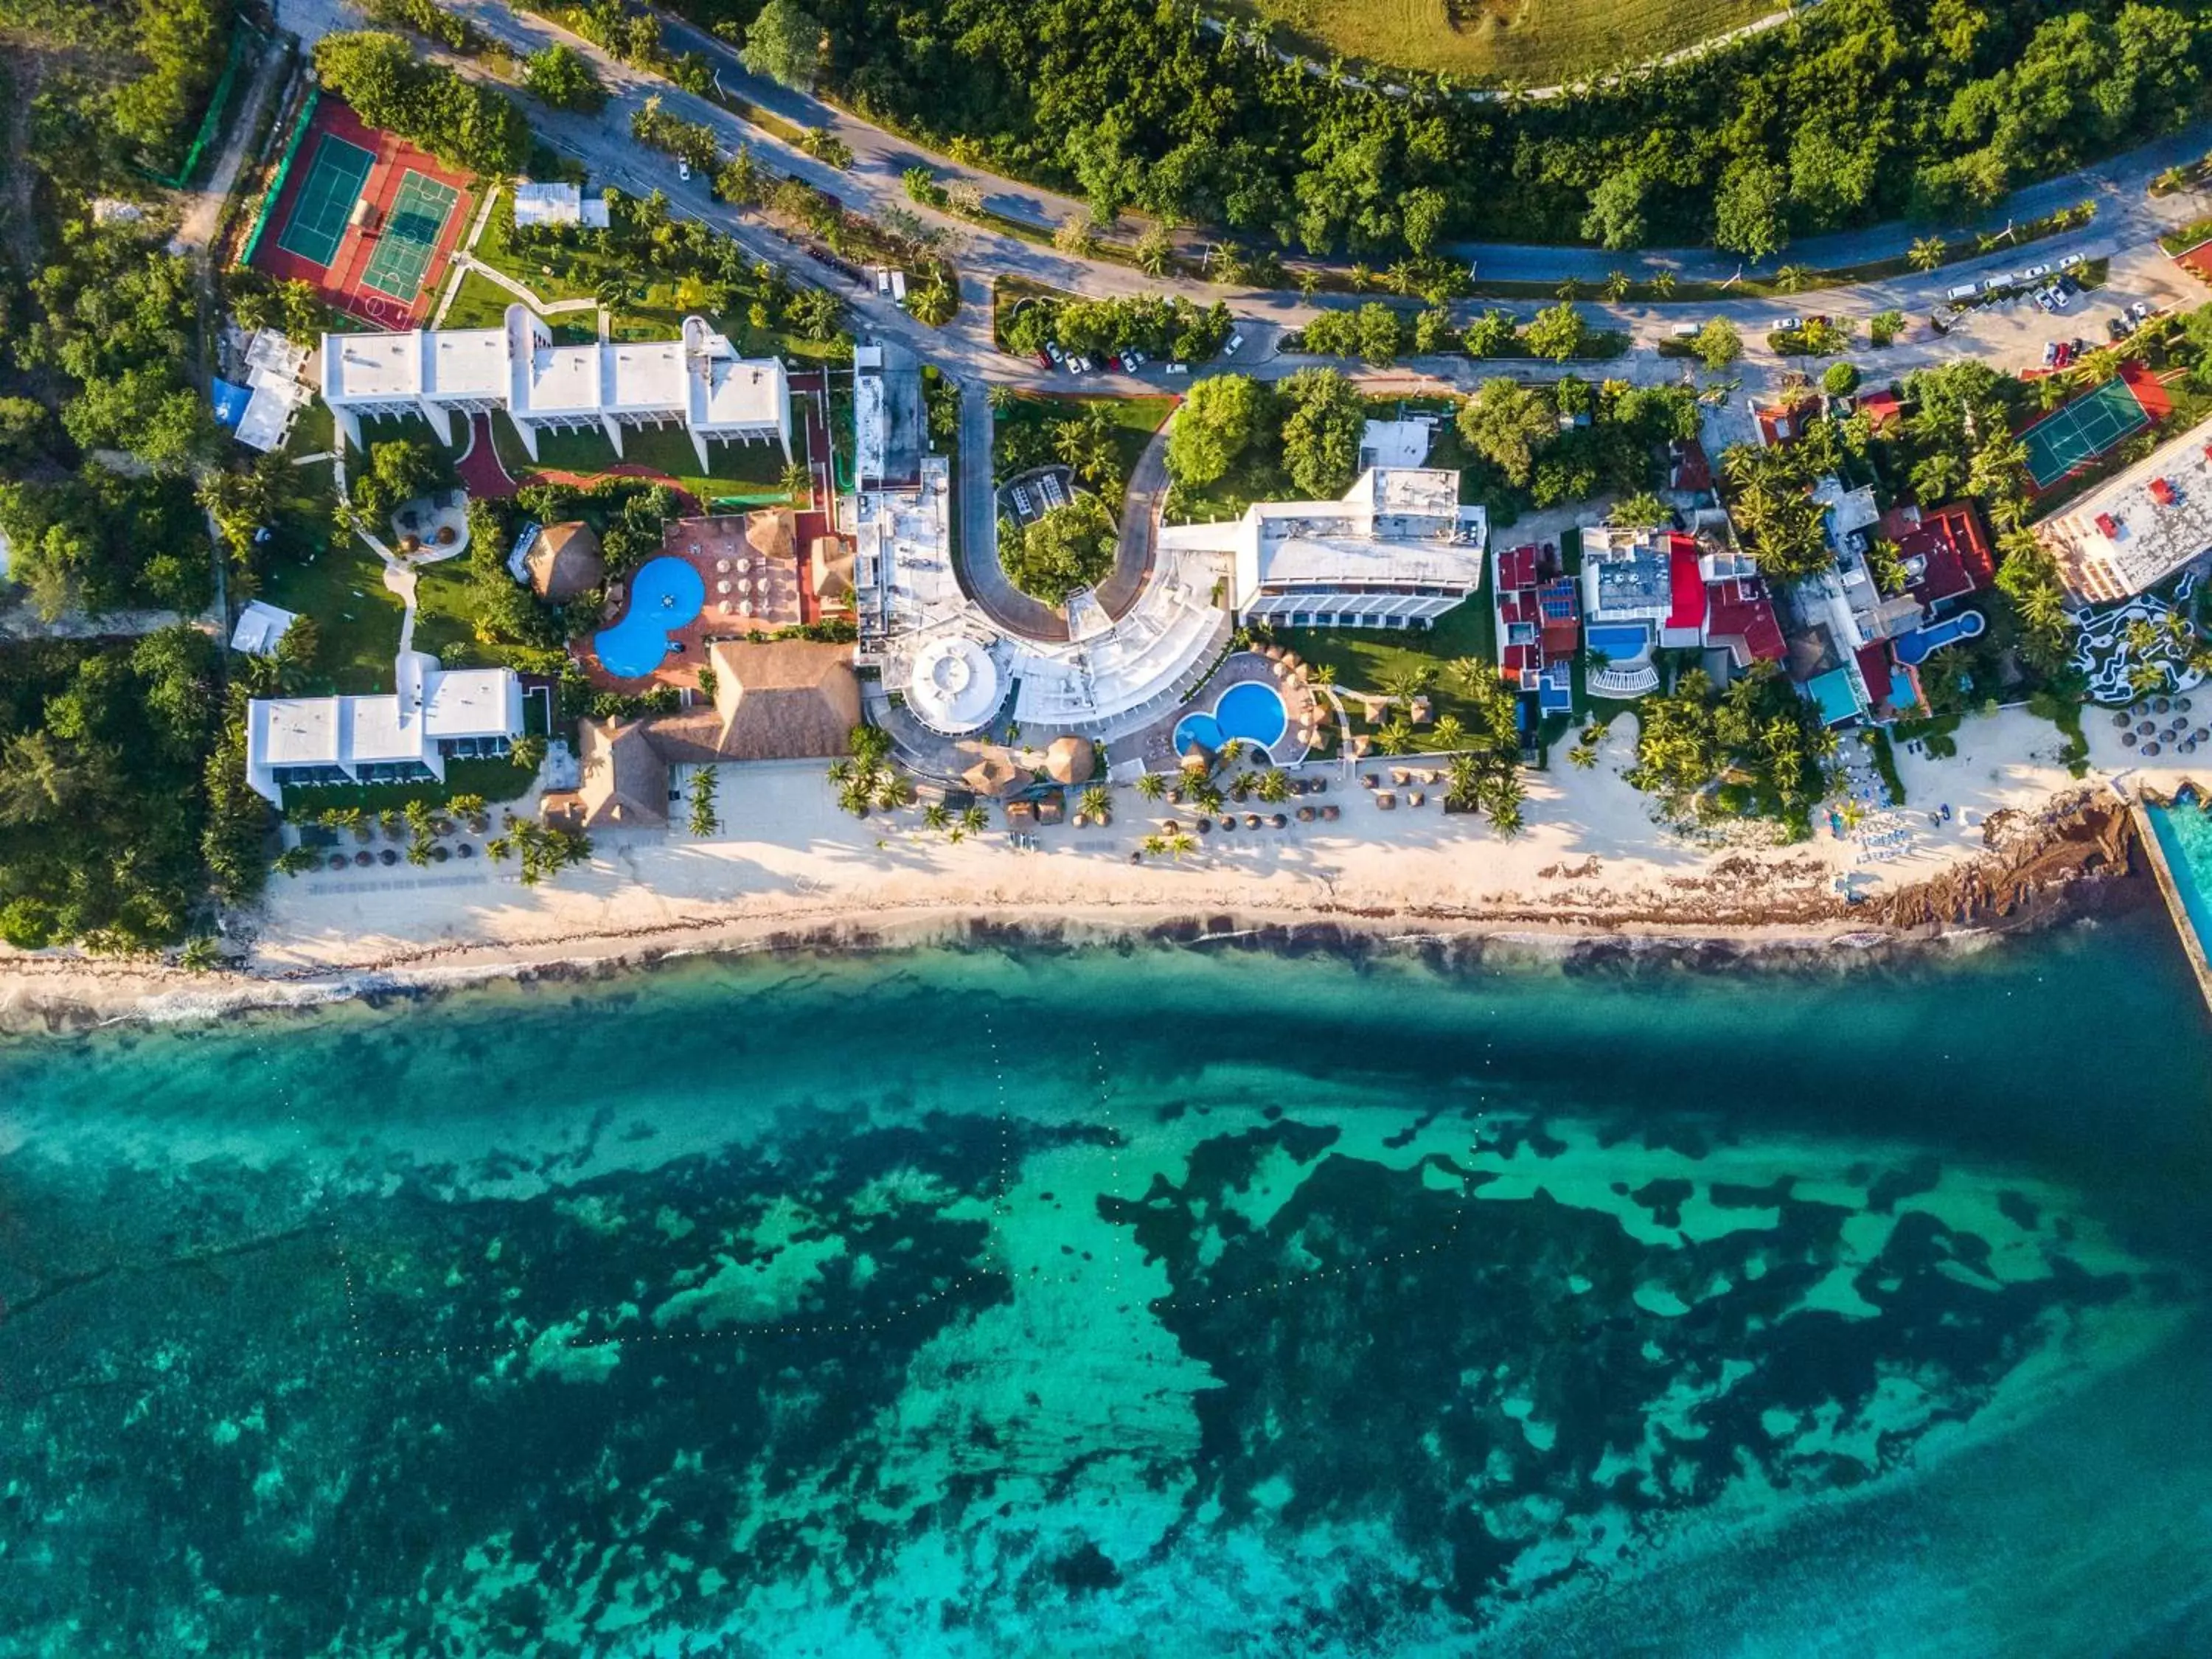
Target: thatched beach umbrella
[
  {"x": 1070, "y": 760},
  {"x": 994, "y": 775}
]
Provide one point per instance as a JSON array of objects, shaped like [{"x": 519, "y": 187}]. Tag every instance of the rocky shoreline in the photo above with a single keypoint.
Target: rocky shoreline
[{"x": 2076, "y": 857}]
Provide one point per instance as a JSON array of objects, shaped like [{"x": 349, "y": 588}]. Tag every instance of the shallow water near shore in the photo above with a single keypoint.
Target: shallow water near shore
[{"x": 1126, "y": 1300}]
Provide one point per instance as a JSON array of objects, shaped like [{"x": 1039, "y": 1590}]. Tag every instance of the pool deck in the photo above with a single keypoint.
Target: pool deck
[
  {"x": 703, "y": 544},
  {"x": 2169, "y": 885},
  {"x": 1154, "y": 744}
]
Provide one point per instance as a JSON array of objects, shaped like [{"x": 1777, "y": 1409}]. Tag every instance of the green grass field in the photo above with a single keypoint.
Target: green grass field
[
  {"x": 739, "y": 469},
  {"x": 1536, "y": 42}
]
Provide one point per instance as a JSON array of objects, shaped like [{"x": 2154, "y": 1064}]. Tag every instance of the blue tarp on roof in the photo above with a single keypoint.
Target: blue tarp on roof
[{"x": 230, "y": 402}]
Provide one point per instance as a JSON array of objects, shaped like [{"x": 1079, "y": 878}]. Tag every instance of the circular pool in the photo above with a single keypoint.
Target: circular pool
[{"x": 1249, "y": 712}]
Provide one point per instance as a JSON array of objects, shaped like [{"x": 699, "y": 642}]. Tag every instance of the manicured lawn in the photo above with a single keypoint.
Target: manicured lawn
[
  {"x": 739, "y": 469},
  {"x": 314, "y": 431},
  {"x": 1364, "y": 657}
]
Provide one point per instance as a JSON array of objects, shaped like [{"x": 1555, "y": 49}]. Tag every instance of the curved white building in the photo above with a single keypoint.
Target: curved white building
[{"x": 954, "y": 685}]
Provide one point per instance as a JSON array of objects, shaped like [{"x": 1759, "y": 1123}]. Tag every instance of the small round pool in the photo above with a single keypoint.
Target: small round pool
[
  {"x": 665, "y": 594},
  {"x": 1250, "y": 712}
]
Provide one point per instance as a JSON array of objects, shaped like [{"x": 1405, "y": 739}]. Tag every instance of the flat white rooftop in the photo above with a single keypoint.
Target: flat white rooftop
[
  {"x": 468, "y": 363},
  {"x": 298, "y": 731},
  {"x": 648, "y": 375},
  {"x": 472, "y": 702},
  {"x": 364, "y": 368},
  {"x": 741, "y": 392}
]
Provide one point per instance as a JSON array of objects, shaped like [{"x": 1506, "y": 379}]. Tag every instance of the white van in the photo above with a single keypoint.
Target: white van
[
  {"x": 882, "y": 280},
  {"x": 1235, "y": 341},
  {"x": 1684, "y": 331},
  {"x": 898, "y": 286},
  {"x": 1964, "y": 291}
]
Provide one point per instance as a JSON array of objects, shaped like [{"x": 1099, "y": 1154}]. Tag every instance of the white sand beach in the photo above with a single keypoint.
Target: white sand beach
[{"x": 1590, "y": 861}]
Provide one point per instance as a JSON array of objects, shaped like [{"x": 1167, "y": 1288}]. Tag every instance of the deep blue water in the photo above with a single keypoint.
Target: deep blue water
[{"x": 1141, "y": 1300}]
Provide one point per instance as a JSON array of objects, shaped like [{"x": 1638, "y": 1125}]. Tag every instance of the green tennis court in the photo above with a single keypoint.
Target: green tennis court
[
  {"x": 2073, "y": 436},
  {"x": 409, "y": 237},
  {"x": 325, "y": 200}
]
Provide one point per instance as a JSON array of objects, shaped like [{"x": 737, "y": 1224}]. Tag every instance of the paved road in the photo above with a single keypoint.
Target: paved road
[
  {"x": 982, "y": 578},
  {"x": 1140, "y": 517}
]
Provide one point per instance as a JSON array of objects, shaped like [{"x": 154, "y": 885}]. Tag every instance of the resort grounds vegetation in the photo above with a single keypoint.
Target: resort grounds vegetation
[
  {"x": 649, "y": 271},
  {"x": 1066, "y": 548},
  {"x": 1853, "y": 112},
  {"x": 1099, "y": 439},
  {"x": 124, "y": 84},
  {"x": 100, "y": 541},
  {"x": 1545, "y": 444},
  {"x": 1161, "y": 326},
  {"x": 1239, "y": 440},
  {"x": 1379, "y": 333}
]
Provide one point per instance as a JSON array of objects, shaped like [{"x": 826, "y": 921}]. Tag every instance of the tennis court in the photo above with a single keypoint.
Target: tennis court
[
  {"x": 412, "y": 229},
  {"x": 2071, "y": 437},
  {"x": 319, "y": 212}
]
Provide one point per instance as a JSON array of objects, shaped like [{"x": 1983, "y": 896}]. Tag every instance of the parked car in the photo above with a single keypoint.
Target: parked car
[
  {"x": 2063, "y": 355},
  {"x": 1043, "y": 361},
  {"x": 2034, "y": 272},
  {"x": 2072, "y": 260},
  {"x": 1178, "y": 368},
  {"x": 1052, "y": 349},
  {"x": 1963, "y": 291},
  {"x": 1684, "y": 331},
  {"x": 1133, "y": 360},
  {"x": 2060, "y": 298},
  {"x": 1785, "y": 325},
  {"x": 1235, "y": 342},
  {"x": 683, "y": 171},
  {"x": 2116, "y": 329},
  {"x": 882, "y": 280},
  {"x": 2051, "y": 354},
  {"x": 1114, "y": 362},
  {"x": 2042, "y": 298}
]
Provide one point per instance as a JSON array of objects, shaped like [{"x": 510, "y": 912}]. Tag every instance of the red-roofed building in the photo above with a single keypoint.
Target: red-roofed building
[
  {"x": 1740, "y": 619},
  {"x": 1685, "y": 588},
  {"x": 1946, "y": 552},
  {"x": 1783, "y": 423},
  {"x": 1538, "y": 627},
  {"x": 1880, "y": 408},
  {"x": 1687, "y": 468},
  {"x": 1873, "y": 669}
]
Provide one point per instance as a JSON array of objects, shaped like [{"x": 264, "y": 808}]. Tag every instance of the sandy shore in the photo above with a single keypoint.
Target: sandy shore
[{"x": 789, "y": 868}]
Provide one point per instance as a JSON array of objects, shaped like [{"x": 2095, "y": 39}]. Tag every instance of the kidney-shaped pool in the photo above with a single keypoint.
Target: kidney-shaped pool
[{"x": 665, "y": 594}]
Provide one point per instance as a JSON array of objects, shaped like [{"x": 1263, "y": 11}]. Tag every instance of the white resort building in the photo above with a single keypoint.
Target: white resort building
[
  {"x": 2133, "y": 533},
  {"x": 1397, "y": 551},
  {"x": 943, "y": 655},
  {"x": 697, "y": 382},
  {"x": 404, "y": 737}
]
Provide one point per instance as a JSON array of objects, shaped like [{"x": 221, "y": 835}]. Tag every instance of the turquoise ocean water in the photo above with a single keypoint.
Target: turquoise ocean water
[{"x": 1148, "y": 1301}]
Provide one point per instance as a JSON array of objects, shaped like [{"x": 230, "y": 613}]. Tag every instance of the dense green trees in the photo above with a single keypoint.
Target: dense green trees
[
  {"x": 563, "y": 77},
  {"x": 1753, "y": 749},
  {"x": 105, "y": 805},
  {"x": 100, "y": 540},
  {"x": 1855, "y": 111},
  {"x": 1153, "y": 323},
  {"x": 784, "y": 44},
  {"x": 1506, "y": 423},
  {"x": 457, "y": 120},
  {"x": 1217, "y": 423},
  {"x": 1324, "y": 416},
  {"x": 1070, "y": 546}
]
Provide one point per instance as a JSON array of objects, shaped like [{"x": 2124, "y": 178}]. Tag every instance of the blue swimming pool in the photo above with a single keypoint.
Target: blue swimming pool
[
  {"x": 664, "y": 595},
  {"x": 1251, "y": 711},
  {"x": 1914, "y": 648},
  {"x": 1621, "y": 645}
]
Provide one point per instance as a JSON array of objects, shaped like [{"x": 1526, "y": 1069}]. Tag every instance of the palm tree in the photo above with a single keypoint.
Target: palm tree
[
  {"x": 1449, "y": 733},
  {"x": 1617, "y": 284},
  {"x": 1001, "y": 396},
  {"x": 1153, "y": 847},
  {"x": 1470, "y": 675},
  {"x": 936, "y": 817},
  {"x": 1790, "y": 278},
  {"x": 1463, "y": 784},
  {"x": 1152, "y": 785},
  {"x": 1274, "y": 787},
  {"x": 1394, "y": 738},
  {"x": 798, "y": 482},
  {"x": 1581, "y": 756},
  {"x": 1182, "y": 844},
  {"x": 1322, "y": 673},
  {"x": 1663, "y": 285},
  {"x": 841, "y": 773},
  {"x": 1097, "y": 804},
  {"x": 1926, "y": 252},
  {"x": 975, "y": 820},
  {"x": 1568, "y": 289},
  {"x": 1407, "y": 681}
]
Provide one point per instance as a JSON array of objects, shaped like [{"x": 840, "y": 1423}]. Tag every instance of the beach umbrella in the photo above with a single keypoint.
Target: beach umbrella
[
  {"x": 722, "y": 587},
  {"x": 1070, "y": 760},
  {"x": 994, "y": 775}
]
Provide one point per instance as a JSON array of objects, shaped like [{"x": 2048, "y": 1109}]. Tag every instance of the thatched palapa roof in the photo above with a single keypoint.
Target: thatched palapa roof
[{"x": 564, "y": 562}]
